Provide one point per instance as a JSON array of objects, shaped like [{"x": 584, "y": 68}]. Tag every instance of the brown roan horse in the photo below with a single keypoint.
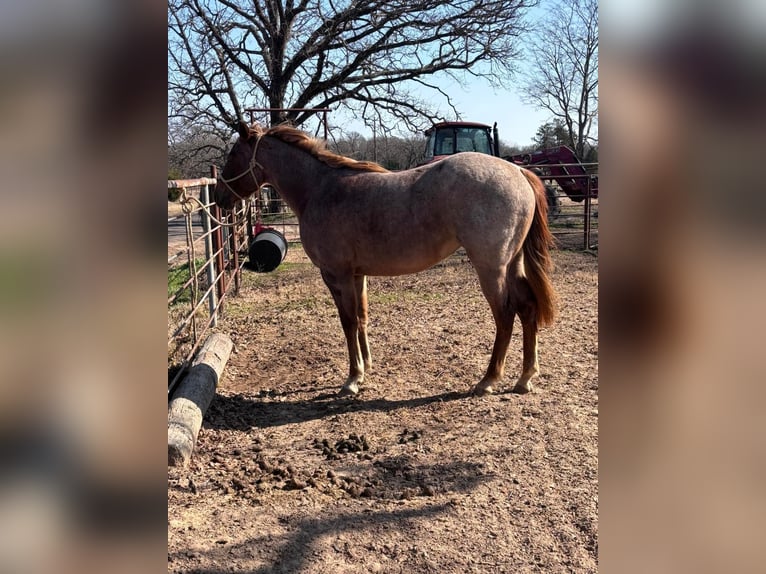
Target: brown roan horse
[{"x": 358, "y": 219}]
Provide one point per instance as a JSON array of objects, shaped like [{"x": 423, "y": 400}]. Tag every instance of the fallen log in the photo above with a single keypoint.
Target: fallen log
[{"x": 193, "y": 396}]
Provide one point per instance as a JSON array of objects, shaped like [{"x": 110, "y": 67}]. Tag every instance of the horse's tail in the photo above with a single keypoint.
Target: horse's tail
[{"x": 537, "y": 257}]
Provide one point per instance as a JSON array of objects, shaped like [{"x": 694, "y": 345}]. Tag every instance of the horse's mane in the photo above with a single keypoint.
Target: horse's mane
[{"x": 315, "y": 147}]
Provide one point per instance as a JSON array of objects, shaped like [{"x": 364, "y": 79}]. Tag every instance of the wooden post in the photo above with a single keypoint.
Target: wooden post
[{"x": 193, "y": 396}]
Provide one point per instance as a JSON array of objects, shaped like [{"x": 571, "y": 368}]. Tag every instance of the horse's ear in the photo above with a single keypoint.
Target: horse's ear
[{"x": 244, "y": 130}]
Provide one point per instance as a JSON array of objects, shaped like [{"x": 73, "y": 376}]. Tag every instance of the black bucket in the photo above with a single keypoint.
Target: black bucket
[{"x": 267, "y": 250}]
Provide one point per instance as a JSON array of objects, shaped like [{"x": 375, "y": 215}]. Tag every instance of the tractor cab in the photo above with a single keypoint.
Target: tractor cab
[{"x": 448, "y": 138}]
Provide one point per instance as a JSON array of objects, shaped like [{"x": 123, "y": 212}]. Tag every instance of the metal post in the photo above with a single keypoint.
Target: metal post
[
  {"x": 586, "y": 233},
  {"x": 374, "y": 143},
  {"x": 218, "y": 247},
  {"x": 235, "y": 252},
  {"x": 249, "y": 230},
  {"x": 209, "y": 264}
]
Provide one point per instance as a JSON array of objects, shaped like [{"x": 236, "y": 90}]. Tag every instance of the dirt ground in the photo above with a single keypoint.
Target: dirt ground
[{"x": 414, "y": 475}]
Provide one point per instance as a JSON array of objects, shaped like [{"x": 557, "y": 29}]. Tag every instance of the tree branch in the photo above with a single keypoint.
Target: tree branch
[{"x": 352, "y": 52}]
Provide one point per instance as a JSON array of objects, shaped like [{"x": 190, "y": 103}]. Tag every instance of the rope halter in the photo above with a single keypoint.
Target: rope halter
[{"x": 253, "y": 163}]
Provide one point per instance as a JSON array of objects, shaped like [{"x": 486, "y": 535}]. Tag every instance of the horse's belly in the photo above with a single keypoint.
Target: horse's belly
[
  {"x": 380, "y": 245},
  {"x": 402, "y": 260}
]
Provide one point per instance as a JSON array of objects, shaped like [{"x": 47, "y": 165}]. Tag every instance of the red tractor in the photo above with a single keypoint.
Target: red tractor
[
  {"x": 448, "y": 138},
  {"x": 559, "y": 164}
]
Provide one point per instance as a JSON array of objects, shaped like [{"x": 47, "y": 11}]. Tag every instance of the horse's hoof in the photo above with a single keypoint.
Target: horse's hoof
[
  {"x": 522, "y": 389},
  {"x": 349, "y": 390},
  {"x": 479, "y": 391}
]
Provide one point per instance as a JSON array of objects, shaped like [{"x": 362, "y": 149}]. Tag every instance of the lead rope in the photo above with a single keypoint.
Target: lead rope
[{"x": 188, "y": 205}]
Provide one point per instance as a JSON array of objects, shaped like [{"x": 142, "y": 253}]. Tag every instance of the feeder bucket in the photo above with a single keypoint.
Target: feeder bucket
[{"x": 267, "y": 250}]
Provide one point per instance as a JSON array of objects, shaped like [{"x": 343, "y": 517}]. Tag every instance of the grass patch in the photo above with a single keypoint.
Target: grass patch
[
  {"x": 290, "y": 266},
  {"x": 179, "y": 275},
  {"x": 239, "y": 307},
  {"x": 285, "y": 270}
]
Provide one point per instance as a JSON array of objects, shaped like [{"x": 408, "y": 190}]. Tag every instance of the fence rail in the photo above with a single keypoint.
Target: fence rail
[
  {"x": 574, "y": 223},
  {"x": 204, "y": 266}
]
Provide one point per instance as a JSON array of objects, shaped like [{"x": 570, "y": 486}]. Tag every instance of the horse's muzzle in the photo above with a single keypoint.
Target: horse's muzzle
[{"x": 222, "y": 197}]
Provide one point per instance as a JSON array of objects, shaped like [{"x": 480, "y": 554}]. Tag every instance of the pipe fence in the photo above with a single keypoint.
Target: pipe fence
[
  {"x": 205, "y": 261},
  {"x": 574, "y": 224}
]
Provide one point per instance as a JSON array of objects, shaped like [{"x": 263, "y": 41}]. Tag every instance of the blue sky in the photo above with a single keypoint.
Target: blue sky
[
  {"x": 516, "y": 122},
  {"x": 478, "y": 102}
]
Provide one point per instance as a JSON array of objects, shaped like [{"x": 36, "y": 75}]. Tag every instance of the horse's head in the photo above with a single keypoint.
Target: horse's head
[{"x": 242, "y": 175}]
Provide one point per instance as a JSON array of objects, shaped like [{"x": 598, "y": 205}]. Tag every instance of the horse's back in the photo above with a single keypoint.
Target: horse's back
[
  {"x": 480, "y": 190},
  {"x": 472, "y": 172}
]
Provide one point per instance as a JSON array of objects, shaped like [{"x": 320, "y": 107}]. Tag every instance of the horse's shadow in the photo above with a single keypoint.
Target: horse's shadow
[{"x": 238, "y": 412}]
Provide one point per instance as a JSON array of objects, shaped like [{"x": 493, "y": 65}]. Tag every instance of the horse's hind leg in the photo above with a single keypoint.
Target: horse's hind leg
[
  {"x": 494, "y": 285},
  {"x": 360, "y": 282},
  {"x": 343, "y": 290},
  {"x": 527, "y": 309}
]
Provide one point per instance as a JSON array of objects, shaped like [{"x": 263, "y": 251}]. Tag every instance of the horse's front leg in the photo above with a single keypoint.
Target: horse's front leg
[{"x": 344, "y": 292}]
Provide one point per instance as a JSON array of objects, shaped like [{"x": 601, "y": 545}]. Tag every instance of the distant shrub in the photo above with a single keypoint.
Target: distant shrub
[{"x": 174, "y": 193}]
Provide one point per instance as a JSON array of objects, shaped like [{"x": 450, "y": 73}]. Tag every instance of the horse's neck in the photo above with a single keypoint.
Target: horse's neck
[{"x": 294, "y": 172}]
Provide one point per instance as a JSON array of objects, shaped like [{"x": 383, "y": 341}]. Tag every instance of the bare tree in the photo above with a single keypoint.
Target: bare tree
[
  {"x": 364, "y": 55},
  {"x": 392, "y": 152},
  {"x": 564, "y": 75},
  {"x": 192, "y": 151}
]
